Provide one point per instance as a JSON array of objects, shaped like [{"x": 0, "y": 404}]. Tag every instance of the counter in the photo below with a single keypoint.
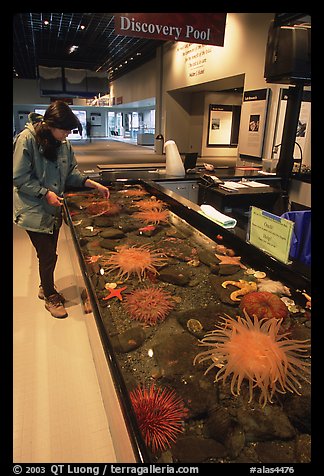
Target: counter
[{"x": 156, "y": 173}]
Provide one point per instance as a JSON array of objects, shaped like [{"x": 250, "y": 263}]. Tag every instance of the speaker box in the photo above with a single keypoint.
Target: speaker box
[{"x": 288, "y": 54}]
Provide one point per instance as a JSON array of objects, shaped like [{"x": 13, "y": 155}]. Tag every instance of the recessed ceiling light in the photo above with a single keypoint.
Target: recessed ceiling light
[{"x": 73, "y": 48}]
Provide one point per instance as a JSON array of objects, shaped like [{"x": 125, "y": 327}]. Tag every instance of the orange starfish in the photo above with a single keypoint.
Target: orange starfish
[
  {"x": 115, "y": 293},
  {"x": 230, "y": 260}
]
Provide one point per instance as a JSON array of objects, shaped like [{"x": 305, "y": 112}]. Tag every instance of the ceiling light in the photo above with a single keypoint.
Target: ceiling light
[
  {"x": 46, "y": 22},
  {"x": 73, "y": 48}
]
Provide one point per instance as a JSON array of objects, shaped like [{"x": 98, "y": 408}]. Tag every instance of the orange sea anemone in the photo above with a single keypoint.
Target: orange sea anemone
[
  {"x": 138, "y": 260},
  {"x": 150, "y": 305},
  {"x": 150, "y": 205},
  {"x": 103, "y": 207},
  {"x": 255, "y": 351},
  {"x": 152, "y": 216},
  {"x": 133, "y": 192}
]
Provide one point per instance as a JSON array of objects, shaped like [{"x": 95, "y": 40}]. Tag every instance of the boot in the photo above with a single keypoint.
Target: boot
[{"x": 55, "y": 306}]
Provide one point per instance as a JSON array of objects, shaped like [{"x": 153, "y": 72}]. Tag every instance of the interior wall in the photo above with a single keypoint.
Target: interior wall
[
  {"x": 242, "y": 55},
  {"x": 137, "y": 85}
]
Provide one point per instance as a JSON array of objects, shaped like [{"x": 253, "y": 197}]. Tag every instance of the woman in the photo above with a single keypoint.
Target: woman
[{"x": 44, "y": 165}]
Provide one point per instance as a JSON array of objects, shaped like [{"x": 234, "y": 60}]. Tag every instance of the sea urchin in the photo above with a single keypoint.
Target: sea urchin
[
  {"x": 257, "y": 352},
  {"x": 149, "y": 305},
  {"x": 159, "y": 413},
  {"x": 138, "y": 260}
]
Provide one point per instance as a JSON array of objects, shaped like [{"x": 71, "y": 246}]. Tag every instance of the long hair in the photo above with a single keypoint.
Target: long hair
[{"x": 60, "y": 116}]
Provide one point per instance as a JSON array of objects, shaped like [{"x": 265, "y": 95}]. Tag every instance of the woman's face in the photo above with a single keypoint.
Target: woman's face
[{"x": 59, "y": 134}]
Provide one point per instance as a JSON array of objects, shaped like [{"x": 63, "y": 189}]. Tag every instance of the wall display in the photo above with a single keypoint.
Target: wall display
[
  {"x": 223, "y": 125},
  {"x": 303, "y": 123},
  {"x": 95, "y": 119},
  {"x": 253, "y": 123},
  {"x": 81, "y": 115}
]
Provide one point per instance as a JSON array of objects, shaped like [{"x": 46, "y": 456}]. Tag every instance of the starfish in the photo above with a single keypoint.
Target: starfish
[
  {"x": 244, "y": 288},
  {"x": 115, "y": 293},
  {"x": 93, "y": 258},
  {"x": 230, "y": 260}
]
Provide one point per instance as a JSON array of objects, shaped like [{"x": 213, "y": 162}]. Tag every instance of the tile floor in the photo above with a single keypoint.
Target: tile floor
[{"x": 58, "y": 412}]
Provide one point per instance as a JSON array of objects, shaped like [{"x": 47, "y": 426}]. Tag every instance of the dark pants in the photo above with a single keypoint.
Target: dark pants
[{"x": 45, "y": 245}]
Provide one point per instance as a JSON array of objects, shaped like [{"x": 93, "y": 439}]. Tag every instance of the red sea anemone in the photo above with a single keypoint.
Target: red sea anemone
[
  {"x": 159, "y": 413},
  {"x": 258, "y": 353},
  {"x": 149, "y": 305},
  {"x": 263, "y": 304},
  {"x": 136, "y": 260}
]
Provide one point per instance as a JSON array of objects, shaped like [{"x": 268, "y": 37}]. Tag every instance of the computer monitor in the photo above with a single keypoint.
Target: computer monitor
[{"x": 190, "y": 160}]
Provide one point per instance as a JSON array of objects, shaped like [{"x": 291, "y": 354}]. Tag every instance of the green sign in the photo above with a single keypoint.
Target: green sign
[{"x": 270, "y": 233}]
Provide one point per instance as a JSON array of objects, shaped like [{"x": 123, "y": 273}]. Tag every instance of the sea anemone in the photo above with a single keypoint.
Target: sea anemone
[
  {"x": 264, "y": 305},
  {"x": 152, "y": 216},
  {"x": 150, "y": 205},
  {"x": 159, "y": 413},
  {"x": 138, "y": 260},
  {"x": 103, "y": 207},
  {"x": 133, "y": 192},
  {"x": 255, "y": 351},
  {"x": 150, "y": 305}
]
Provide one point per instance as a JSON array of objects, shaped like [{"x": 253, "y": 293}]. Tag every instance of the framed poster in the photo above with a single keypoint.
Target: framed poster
[
  {"x": 223, "y": 125},
  {"x": 253, "y": 123},
  {"x": 303, "y": 121},
  {"x": 95, "y": 118}
]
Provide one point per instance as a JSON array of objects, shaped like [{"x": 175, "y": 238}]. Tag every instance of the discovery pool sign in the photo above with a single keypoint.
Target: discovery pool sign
[{"x": 203, "y": 28}]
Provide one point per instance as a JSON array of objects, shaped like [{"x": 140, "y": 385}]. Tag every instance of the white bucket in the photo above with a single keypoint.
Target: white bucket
[{"x": 173, "y": 161}]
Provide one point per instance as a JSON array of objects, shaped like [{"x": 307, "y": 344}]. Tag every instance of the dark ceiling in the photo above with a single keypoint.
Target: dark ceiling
[
  {"x": 99, "y": 48},
  {"x": 37, "y": 43}
]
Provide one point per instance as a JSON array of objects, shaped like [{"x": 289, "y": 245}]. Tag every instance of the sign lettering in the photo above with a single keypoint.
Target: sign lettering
[
  {"x": 271, "y": 233},
  {"x": 203, "y": 28}
]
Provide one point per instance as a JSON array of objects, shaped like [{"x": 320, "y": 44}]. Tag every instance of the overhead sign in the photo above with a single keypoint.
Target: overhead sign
[
  {"x": 203, "y": 28},
  {"x": 270, "y": 233}
]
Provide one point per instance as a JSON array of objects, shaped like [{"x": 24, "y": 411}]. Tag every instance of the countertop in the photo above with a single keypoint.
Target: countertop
[{"x": 159, "y": 174}]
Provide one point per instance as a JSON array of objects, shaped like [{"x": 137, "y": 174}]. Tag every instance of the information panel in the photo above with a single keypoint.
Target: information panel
[{"x": 270, "y": 233}]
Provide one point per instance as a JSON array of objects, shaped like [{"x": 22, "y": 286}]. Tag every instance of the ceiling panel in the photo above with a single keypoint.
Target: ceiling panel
[{"x": 36, "y": 42}]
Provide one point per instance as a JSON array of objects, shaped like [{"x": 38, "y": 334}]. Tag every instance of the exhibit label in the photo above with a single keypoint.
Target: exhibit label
[
  {"x": 203, "y": 28},
  {"x": 270, "y": 233}
]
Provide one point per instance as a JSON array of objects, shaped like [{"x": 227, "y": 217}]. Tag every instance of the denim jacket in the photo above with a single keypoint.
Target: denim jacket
[{"x": 33, "y": 175}]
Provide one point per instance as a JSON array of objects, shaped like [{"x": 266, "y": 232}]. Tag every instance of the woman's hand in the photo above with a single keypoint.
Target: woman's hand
[
  {"x": 101, "y": 188},
  {"x": 53, "y": 199}
]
